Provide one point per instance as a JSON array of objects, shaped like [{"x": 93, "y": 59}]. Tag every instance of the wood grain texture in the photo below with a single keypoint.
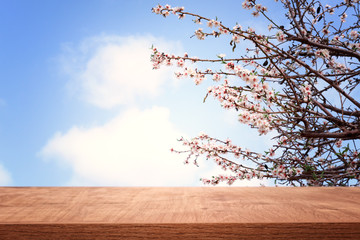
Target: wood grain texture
[{"x": 179, "y": 213}]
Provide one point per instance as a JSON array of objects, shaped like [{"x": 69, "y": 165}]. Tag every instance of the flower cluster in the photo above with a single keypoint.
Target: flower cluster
[
  {"x": 249, "y": 4},
  {"x": 251, "y": 79},
  {"x": 306, "y": 91},
  {"x": 322, "y": 53},
  {"x": 200, "y": 34},
  {"x": 338, "y": 143},
  {"x": 213, "y": 23},
  {"x": 281, "y": 172},
  {"x": 167, "y": 9},
  {"x": 214, "y": 149}
]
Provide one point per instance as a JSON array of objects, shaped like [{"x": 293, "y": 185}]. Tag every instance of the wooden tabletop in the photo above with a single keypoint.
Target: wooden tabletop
[{"x": 179, "y": 213}]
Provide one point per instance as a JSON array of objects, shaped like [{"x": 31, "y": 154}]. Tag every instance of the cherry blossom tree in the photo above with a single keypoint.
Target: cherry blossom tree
[{"x": 300, "y": 79}]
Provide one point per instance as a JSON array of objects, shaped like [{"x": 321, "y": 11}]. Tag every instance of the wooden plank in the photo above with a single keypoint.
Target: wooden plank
[{"x": 174, "y": 213}]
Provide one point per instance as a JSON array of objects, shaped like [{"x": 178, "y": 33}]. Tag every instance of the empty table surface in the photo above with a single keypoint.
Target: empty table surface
[{"x": 179, "y": 213}]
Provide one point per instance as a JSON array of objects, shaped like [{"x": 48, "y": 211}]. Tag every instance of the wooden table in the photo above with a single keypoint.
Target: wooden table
[{"x": 179, "y": 213}]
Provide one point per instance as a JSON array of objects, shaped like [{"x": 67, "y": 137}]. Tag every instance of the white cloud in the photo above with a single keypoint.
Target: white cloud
[
  {"x": 132, "y": 149},
  {"x": 110, "y": 70},
  {"x": 5, "y": 178}
]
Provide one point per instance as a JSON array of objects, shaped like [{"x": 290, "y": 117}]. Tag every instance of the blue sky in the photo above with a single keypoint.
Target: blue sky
[{"x": 80, "y": 104}]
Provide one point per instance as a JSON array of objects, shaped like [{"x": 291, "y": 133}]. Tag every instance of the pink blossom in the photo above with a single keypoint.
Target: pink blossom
[
  {"x": 338, "y": 143},
  {"x": 223, "y": 30},
  {"x": 323, "y": 53},
  {"x": 258, "y": 7},
  {"x": 236, "y": 38},
  {"x": 343, "y": 17},
  {"x": 210, "y": 23},
  {"x": 246, "y": 5},
  {"x": 280, "y": 36},
  {"x": 180, "y": 62},
  {"x": 255, "y": 13},
  {"x": 272, "y": 152},
  {"x": 354, "y": 34},
  {"x": 237, "y": 28},
  {"x": 325, "y": 31},
  {"x": 299, "y": 171},
  {"x": 199, "y": 34},
  {"x": 166, "y": 13},
  {"x": 157, "y": 9},
  {"x": 216, "y": 77}
]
